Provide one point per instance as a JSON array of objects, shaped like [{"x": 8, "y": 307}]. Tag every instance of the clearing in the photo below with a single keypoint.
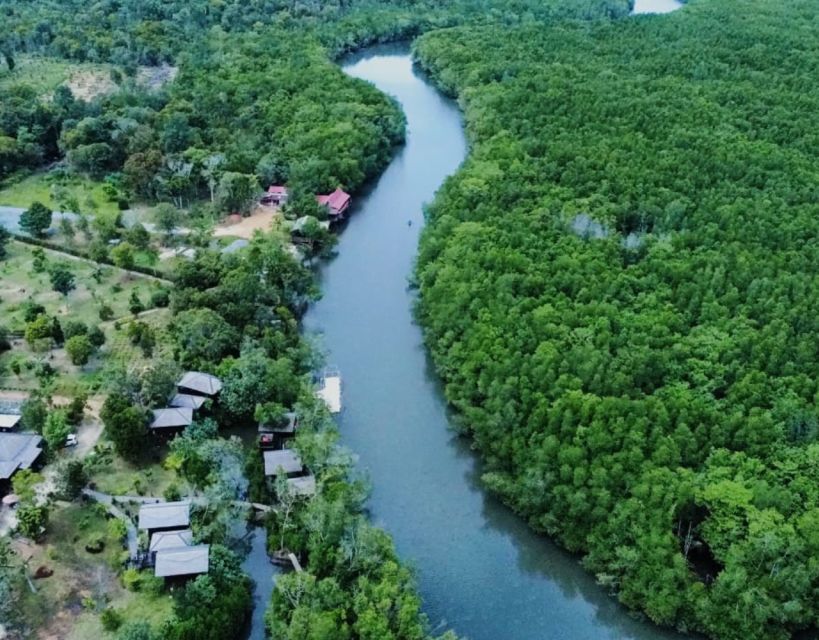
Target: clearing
[{"x": 262, "y": 219}]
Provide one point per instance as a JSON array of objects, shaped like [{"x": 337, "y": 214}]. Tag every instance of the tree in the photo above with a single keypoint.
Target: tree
[
  {"x": 96, "y": 336},
  {"x": 139, "y": 237},
  {"x": 123, "y": 256},
  {"x": 33, "y": 413},
  {"x": 24, "y": 484},
  {"x": 158, "y": 382},
  {"x": 125, "y": 425},
  {"x": 36, "y": 219},
  {"x": 32, "y": 520},
  {"x": 167, "y": 218},
  {"x": 79, "y": 350},
  {"x": 62, "y": 279},
  {"x": 76, "y": 408},
  {"x": 136, "y": 630},
  {"x": 203, "y": 337},
  {"x": 38, "y": 332},
  {"x": 4, "y": 239},
  {"x": 56, "y": 430},
  {"x": 73, "y": 328},
  {"x": 70, "y": 479},
  {"x": 236, "y": 191},
  {"x": 135, "y": 305}
]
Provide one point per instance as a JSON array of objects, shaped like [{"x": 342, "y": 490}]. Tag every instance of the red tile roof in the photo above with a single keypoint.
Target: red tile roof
[
  {"x": 276, "y": 190},
  {"x": 337, "y": 201}
]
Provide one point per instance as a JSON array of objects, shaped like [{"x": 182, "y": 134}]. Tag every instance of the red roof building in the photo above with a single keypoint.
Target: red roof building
[
  {"x": 337, "y": 202},
  {"x": 276, "y": 194}
]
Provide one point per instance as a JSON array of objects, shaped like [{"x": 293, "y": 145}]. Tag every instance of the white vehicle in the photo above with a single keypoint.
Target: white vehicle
[{"x": 71, "y": 440}]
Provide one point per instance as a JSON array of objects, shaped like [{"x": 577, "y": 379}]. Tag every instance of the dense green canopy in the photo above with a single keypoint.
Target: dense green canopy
[{"x": 619, "y": 289}]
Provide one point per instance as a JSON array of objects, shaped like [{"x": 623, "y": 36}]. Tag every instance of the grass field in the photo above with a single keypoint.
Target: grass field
[
  {"x": 46, "y": 74},
  {"x": 20, "y": 284},
  {"x": 40, "y": 187},
  {"x": 67, "y": 604}
]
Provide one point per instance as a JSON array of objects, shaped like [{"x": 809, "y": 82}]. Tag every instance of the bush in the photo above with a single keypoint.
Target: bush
[
  {"x": 106, "y": 313},
  {"x": 117, "y": 529},
  {"x": 32, "y": 520},
  {"x": 172, "y": 493},
  {"x": 70, "y": 480},
  {"x": 111, "y": 619},
  {"x": 160, "y": 298},
  {"x": 131, "y": 579},
  {"x": 95, "y": 544}
]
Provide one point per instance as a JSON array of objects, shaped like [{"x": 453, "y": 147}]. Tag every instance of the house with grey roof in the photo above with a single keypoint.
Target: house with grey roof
[
  {"x": 165, "y": 516},
  {"x": 304, "y": 486},
  {"x": 18, "y": 451},
  {"x": 171, "y": 418},
  {"x": 200, "y": 384},
  {"x": 182, "y": 561},
  {"x": 185, "y": 400},
  {"x": 282, "y": 461},
  {"x": 9, "y": 421},
  {"x": 162, "y": 540}
]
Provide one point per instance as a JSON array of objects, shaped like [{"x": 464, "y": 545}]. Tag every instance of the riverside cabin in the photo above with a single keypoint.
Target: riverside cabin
[
  {"x": 165, "y": 516},
  {"x": 171, "y": 419},
  {"x": 273, "y": 436},
  {"x": 182, "y": 562},
  {"x": 276, "y": 194},
  {"x": 337, "y": 203},
  {"x": 17, "y": 451},
  {"x": 199, "y": 384},
  {"x": 9, "y": 421}
]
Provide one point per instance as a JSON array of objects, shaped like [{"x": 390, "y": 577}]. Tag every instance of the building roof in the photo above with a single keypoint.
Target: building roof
[
  {"x": 18, "y": 451},
  {"x": 287, "y": 426},
  {"x": 285, "y": 459},
  {"x": 172, "y": 417},
  {"x": 182, "y": 561},
  {"x": 277, "y": 190},
  {"x": 336, "y": 201},
  {"x": 8, "y": 420},
  {"x": 302, "y": 486},
  {"x": 164, "y": 515},
  {"x": 162, "y": 540},
  {"x": 182, "y": 400},
  {"x": 202, "y": 383}
]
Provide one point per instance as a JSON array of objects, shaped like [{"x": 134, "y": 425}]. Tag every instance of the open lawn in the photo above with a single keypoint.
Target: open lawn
[
  {"x": 68, "y": 603},
  {"x": 46, "y": 74},
  {"x": 44, "y": 186},
  {"x": 96, "y": 285},
  {"x": 111, "y": 474}
]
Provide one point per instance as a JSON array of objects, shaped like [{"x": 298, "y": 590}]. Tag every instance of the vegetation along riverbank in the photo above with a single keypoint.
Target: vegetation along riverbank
[
  {"x": 617, "y": 290},
  {"x": 149, "y": 124}
]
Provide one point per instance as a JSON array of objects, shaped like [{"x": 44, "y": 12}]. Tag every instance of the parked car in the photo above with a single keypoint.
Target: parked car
[{"x": 71, "y": 440}]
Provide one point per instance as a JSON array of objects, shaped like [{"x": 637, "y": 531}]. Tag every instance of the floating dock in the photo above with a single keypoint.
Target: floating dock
[{"x": 330, "y": 390}]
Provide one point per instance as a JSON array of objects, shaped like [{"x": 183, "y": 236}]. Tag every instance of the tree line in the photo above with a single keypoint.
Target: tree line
[{"x": 618, "y": 290}]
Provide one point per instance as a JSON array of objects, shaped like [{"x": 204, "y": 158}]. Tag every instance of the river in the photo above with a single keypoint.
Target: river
[
  {"x": 481, "y": 570},
  {"x": 656, "y": 6}
]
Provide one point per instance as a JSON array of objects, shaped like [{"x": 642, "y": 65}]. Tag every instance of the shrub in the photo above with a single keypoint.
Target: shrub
[
  {"x": 131, "y": 579},
  {"x": 95, "y": 543},
  {"x": 111, "y": 619},
  {"x": 117, "y": 529}
]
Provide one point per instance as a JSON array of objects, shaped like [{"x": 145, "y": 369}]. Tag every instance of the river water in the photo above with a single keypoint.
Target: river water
[
  {"x": 481, "y": 570},
  {"x": 656, "y": 6}
]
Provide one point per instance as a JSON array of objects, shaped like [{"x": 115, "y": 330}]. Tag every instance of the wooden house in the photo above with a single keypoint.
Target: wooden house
[{"x": 337, "y": 203}]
